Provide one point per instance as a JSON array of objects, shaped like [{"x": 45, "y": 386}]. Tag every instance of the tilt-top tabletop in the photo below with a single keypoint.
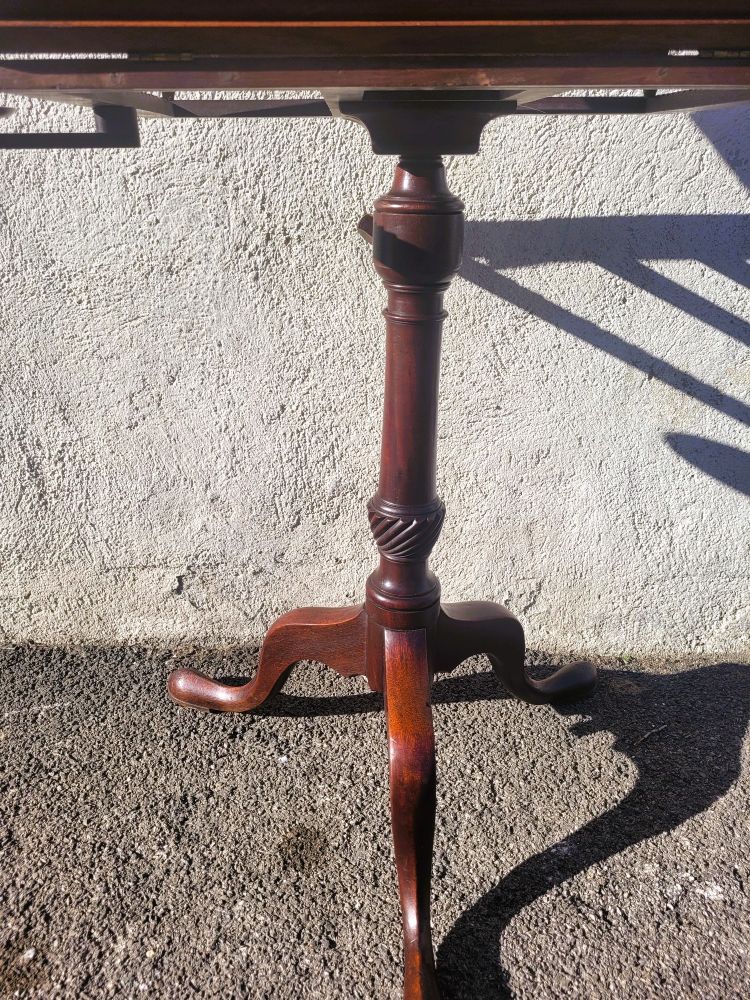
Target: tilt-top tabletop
[{"x": 376, "y": 43}]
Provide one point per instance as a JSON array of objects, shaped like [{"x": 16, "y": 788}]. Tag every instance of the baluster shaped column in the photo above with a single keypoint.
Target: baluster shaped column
[{"x": 417, "y": 242}]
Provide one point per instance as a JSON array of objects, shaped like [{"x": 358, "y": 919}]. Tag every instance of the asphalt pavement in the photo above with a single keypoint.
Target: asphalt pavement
[{"x": 600, "y": 850}]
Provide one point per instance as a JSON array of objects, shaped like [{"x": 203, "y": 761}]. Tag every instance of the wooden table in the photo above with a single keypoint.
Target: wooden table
[{"x": 423, "y": 78}]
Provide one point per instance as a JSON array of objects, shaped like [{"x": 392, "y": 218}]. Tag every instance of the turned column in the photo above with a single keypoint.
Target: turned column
[
  {"x": 417, "y": 231},
  {"x": 417, "y": 238},
  {"x": 402, "y": 636}
]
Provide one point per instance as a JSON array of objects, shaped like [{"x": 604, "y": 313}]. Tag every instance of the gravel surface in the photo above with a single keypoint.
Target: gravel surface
[{"x": 596, "y": 851}]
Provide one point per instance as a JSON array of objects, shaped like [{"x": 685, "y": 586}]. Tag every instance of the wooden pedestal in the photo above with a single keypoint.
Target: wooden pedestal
[{"x": 402, "y": 635}]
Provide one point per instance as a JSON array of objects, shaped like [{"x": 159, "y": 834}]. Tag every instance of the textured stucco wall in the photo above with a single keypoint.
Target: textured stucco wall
[{"x": 191, "y": 362}]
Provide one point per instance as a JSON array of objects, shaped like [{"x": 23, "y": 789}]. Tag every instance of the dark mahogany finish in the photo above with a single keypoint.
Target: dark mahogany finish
[
  {"x": 402, "y": 636},
  {"x": 329, "y": 28},
  {"x": 465, "y": 630},
  {"x": 241, "y": 44},
  {"x": 411, "y": 748},
  {"x": 424, "y": 77},
  {"x": 335, "y": 636}
]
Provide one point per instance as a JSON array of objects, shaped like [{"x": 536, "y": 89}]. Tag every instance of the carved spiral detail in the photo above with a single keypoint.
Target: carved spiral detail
[{"x": 406, "y": 535}]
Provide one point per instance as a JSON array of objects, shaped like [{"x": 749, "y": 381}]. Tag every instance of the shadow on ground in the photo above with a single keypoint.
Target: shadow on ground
[
  {"x": 129, "y": 824},
  {"x": 683, "y": 731}
]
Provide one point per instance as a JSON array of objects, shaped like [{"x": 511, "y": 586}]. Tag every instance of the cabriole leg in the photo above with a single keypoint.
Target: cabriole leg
[
  {"x": 476, "y": 627},
  {"x": 335, "y": 636},
  {"x": 411, "y": 747}
]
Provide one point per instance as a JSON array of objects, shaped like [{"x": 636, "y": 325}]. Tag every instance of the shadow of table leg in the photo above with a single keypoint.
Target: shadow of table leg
[{"x": 698, "y": 719}]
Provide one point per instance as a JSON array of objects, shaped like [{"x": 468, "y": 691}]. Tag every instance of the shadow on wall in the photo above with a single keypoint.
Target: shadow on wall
[
  {"x": 724, "y": 128},
  {"x": 720, "y": 461},
  {"x": 684, "y": 738},
  {"x": 721, "y": 242},
  {"x": 621, "y": 245}
]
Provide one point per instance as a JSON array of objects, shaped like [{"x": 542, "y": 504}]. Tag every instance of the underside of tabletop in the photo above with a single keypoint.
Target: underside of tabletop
[{"x": 293, "y": 44}]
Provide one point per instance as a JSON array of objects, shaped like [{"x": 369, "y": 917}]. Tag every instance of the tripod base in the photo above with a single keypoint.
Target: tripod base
[
  {"x": 401, "y": 663},
  {"x": 402, "y": 636}
]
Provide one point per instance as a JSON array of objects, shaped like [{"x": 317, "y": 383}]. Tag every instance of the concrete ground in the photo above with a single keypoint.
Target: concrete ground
[{"x": 598, "y": 851}]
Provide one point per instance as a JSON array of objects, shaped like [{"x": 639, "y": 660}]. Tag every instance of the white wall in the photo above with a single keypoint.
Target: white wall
[{"x": 192, "y": 355}]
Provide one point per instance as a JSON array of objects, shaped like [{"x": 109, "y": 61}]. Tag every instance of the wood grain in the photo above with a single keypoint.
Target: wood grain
[
  {"x": 411, "y": 750},
  {"x": 566, "y": 72},
  {"x": 185, "y": 11},
  {"x": 334, "y": 636}
]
